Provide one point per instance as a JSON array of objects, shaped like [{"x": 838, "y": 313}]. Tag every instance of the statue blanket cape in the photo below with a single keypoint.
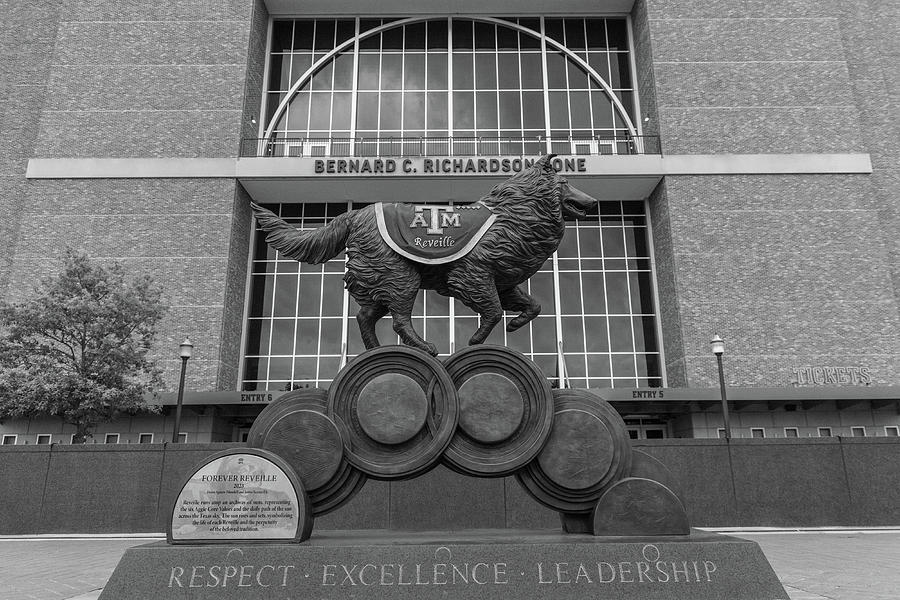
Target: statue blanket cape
[{"x": 430, "y": 233}]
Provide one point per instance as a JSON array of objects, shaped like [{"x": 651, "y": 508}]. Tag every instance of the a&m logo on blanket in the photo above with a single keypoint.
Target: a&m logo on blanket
[{"x": 430, "y": 233}]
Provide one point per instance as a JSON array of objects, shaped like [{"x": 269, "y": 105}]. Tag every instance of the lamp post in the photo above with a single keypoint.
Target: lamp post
[
  {"x": 718, "y": 348},
  {"x": 185, "y": 350}
]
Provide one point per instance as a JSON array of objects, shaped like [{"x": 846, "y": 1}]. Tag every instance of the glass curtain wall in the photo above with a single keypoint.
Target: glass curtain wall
[{"x": 302, "y": 324}]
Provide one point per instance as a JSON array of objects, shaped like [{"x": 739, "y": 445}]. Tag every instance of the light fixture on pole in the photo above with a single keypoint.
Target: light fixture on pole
[
  {"x": 718, "y": 348},
  {"x": 185, "y": 350}
]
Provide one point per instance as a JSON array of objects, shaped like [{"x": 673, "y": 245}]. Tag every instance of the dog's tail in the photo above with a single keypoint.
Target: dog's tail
[{"x": 312, "y": 246}]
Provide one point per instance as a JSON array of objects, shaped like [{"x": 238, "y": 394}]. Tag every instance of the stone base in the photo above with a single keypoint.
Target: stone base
[{"x": 461, "y": 564}]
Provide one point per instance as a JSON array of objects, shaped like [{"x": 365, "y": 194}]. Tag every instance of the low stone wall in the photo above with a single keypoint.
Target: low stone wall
[{"x": 784, "y": 482}]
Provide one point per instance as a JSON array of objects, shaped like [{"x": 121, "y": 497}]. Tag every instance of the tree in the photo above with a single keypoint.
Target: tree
[{"x": 79, "y": 348}]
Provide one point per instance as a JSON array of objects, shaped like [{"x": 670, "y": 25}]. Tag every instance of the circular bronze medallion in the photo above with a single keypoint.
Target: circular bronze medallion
[
  {"x": 396, "y": 409},
  {"x": 579, "y": 452},
  {"x": 310, "y": 442},
  {"x": 490, "y": 407},
  {"x": 296, "y": 428},
  {"x": 391, "y": 408},
  {"x": 588, "y": 451},
  {"x": 506, "y": 409}
]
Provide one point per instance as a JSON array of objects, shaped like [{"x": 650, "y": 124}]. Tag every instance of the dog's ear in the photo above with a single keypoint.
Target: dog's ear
[{"x": 547, "y": 162}]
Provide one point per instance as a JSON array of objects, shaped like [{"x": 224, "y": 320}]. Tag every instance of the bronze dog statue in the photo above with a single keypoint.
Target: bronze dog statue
[{"x": 528, "y": 212}]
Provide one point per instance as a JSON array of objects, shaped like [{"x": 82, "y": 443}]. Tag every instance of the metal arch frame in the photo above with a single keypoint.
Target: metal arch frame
[{"x": 620, "y": 108}]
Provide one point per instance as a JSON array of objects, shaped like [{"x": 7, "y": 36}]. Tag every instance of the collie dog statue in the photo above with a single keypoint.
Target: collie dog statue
[{"x": 524, "y": 224}]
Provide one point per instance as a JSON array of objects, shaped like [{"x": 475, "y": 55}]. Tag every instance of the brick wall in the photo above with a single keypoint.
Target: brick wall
[
  {"x": 27, "y": 32},
  {"x": 790, "y": 270},
  {"x": 146, "y": 79},
  {"x": 143, "y": 80}
]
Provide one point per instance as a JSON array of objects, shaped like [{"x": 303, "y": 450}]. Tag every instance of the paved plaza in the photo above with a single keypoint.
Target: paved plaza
[{"x": 822, "y": 564}]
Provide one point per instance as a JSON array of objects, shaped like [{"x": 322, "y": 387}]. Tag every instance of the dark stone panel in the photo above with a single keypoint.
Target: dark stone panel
[
  {"x": 369, "y": 509},
  {"x": 524, "y": 512},
  {"x": 443, "y": 499},
  {"x": 178, "y": 461},
  {"x": 492, "y": 564},
  {"x": 790, "y": 483},
  {"x": 102, "y": 489},
  {"x": 23, "y": 469},
  {"x": 703, "y": 469},
  {"x": 873, "y": 477}
]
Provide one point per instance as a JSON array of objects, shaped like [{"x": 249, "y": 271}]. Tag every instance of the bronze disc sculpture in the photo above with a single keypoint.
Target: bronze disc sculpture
[
  {"x": 588, "y": 451},
  {"x": 397, "y": 408},
  {"x": 297, "y": 428},
  {"x": 395, "y": 412},
  {"x": 505, "y": 406}
]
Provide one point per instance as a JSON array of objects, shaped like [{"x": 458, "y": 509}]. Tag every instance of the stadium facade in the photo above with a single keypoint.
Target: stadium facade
[{"x": 744, "y": 155}]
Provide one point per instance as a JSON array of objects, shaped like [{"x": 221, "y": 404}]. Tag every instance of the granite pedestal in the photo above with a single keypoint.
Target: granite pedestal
[{"x": 461, "y": 564}]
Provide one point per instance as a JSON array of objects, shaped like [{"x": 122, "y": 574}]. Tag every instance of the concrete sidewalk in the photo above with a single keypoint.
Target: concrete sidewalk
[{"x": 838, "y": 564}]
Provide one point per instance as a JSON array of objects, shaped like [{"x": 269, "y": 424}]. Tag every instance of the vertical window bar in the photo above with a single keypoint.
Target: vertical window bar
[
  {"x": 450, "y": 119},
  {"x": 345, "y": 311},
  {"x": 353, "y": 103},
  {"x": 560, "y": 358},
  {"x": 657, "y": 316},
  {"x": 636, "y": 98},
  {"x": 547, "y": 115}
]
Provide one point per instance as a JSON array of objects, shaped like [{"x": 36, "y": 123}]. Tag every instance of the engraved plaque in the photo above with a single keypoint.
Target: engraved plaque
[{"x": 243, "y": 494}]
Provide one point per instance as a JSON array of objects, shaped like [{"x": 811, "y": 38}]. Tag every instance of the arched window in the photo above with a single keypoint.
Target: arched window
[{"x": 506, "y": 79}]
